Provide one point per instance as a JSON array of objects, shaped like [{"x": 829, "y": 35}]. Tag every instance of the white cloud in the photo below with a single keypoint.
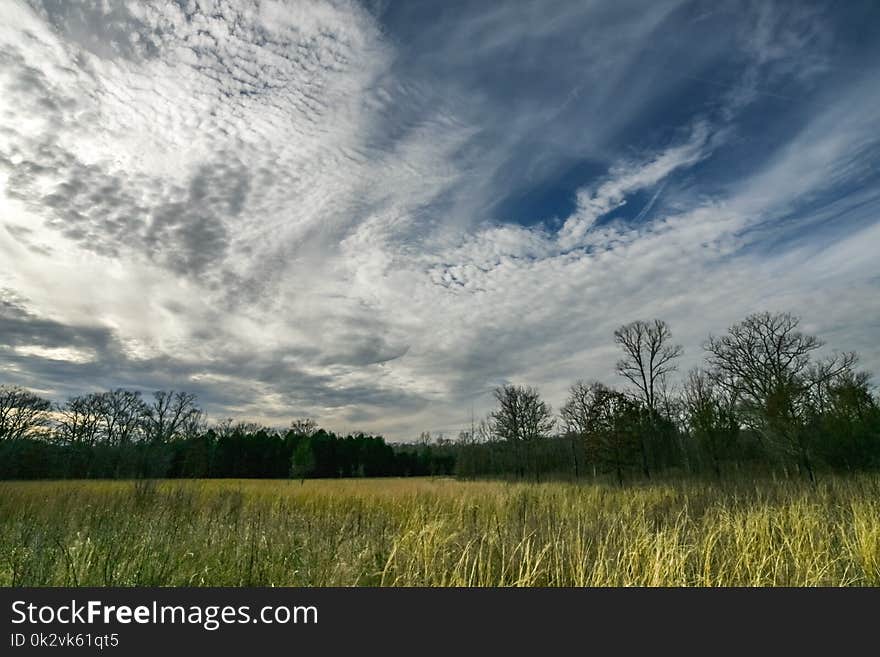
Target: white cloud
[
  {"x": 259, "y": 204},
  {"x": 627, "y": 178}
]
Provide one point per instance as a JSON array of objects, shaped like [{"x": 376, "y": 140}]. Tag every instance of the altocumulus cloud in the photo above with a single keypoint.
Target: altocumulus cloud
[{"x": 373, "y": 214}]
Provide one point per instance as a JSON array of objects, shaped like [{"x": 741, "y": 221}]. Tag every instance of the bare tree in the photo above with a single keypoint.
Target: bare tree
[
  {"x": 522, "y": 415},
  {"x": 81, "y": 419},
  {"x": 122, "y": 414},
  {"x": 304, "y": 427},
  {"x": 166, "y": 416},
  {"x": 483, "y": 431},
  {"x": 576, "y": 413},
  {"x": 578, "y": 419},
  {"x": 766, "y": 365},
  {"x": 194, "y": 425},
  {"x": 648, "y": 358},
  {"x": 224, "y": 428},
  {"x": 522, "y": 418},
  {"x": 22, "y": 413}
]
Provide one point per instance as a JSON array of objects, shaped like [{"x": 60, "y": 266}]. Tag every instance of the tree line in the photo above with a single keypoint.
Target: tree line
[
  {"x": 121, "y": 434},
  {"x": 763, "y": 400}
]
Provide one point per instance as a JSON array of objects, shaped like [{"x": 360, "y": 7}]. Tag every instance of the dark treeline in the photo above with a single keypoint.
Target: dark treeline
[
  {"x": 763, "y": 401},
  {"x": 119, "y": 434}
]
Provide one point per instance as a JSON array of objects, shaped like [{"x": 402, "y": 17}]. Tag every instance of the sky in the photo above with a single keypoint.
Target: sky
[{"x": 372, "y": 214}]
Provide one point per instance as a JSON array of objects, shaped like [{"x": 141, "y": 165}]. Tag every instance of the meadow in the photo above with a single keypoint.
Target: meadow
[{"x": 440, "y": 532}]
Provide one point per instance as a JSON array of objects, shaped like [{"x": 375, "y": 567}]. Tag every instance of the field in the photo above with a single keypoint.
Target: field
[{"x": 439, "y": 532}]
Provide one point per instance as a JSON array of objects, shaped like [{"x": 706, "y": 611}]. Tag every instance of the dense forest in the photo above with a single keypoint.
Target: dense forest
[
  {"x": 239, "y": 450},
  {"x": 762, "y": 402}
]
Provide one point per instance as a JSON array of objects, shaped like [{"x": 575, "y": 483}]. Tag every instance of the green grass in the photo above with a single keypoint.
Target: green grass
[{"x": 440, "y": 532}]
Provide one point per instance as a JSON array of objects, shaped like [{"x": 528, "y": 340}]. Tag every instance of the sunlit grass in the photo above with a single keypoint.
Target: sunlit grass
[{"x": 441, "y": 532}]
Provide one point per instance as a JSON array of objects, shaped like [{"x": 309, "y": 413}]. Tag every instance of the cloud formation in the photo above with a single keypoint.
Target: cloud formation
[{"x": 374, "y": 214}]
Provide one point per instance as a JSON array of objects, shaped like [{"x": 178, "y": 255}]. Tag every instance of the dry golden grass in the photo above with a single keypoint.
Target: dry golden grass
[{"x": 404, "y": 532}]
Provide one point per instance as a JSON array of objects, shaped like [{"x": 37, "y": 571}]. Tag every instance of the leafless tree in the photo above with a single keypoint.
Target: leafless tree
[
  {"x": 522, "y": 418},
  {"x": 649, "y": 356},
  {"x": 224, "y": 428},
  {"x": 22, "y": 413},
  {"x": 578, "y": 420},
  {"x": 228, "y": 427},
  {"x": 194, "y": 425},
  {"x": 576, "y": 413},
  {"x": 483, "y": 431},
  {"x": 479, "y": 432},
  {"x": 81, "y": 419},
  {"x": 304, "y": 427},
  {"x": 766, "y": 364},
  {"x": 122, "y": 414},
  {"x": 522, "y": 415},
  {"x": 166, "y": 416}
]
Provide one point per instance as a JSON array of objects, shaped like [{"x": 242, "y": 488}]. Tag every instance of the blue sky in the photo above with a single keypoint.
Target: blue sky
[{"x": 373, "y": 213}]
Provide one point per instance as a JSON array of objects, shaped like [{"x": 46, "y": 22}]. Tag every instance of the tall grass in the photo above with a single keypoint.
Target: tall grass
[{"x": 439, "y": 533}]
